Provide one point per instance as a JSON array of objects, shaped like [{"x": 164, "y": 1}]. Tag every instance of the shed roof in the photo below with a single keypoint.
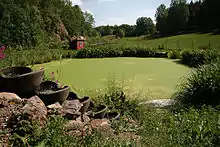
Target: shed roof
[{"x": 78, "y": 38}]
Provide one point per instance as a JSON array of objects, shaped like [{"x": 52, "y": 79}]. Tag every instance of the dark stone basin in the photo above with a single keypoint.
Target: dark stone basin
[
  {"x": 50, "y": 93},
  {"x": 20, "y": 80}
]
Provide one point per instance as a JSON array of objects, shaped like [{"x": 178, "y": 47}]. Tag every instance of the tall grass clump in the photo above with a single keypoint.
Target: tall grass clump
[
  {"x": 201, "y": 87},
  {"x": 118, "y": 99},
  {"x": 183, "y": 128}
]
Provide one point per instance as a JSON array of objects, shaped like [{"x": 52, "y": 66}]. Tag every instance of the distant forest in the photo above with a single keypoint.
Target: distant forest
[
  {"x": 33, "y": 22},
  {"x": 179, "y": 17}
]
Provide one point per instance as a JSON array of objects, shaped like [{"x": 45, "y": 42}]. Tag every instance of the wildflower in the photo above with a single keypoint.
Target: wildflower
[
  {"x": 2, "y": 55},
  {"x": 52, "y": 75},
  {"x": 2, "y": 48}
]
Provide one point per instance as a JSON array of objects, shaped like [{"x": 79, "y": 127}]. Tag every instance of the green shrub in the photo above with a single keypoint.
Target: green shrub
[
  {"x": 128, "y": 52},
  {"x": 117, "y": 100},
  {"x": 174, "y": 54},
  {"x": 33, "y": 56},
  {"x": 116, "y": 51},
  {"x": 196, "y": 58},
  {"x": 55, "y": 134},
  {"x": 201, "y": 87}
]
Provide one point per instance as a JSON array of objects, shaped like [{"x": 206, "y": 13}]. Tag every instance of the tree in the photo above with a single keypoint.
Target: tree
[
  {"x": 161, "y": 19},
  {"x": 145, "y": 26},
  {"x": 194, "y": 15},
  {"x": 95, "y": 33},
  {"x": 107, "y": 30},
  {"x": 89, "y": 23},
  {"x": 178, "y": 15},
  {"x": 119, "y": 33},
  {"x": 210, "y": 9},
  {"x": 126, "y": 28},
  {"x": 31, "y": 22}
]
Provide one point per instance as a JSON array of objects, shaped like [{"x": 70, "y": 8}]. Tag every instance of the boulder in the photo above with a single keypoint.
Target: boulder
[
  {"x": 9, "y": 97},
  {"x": 35, "y": 109},
  {"x": 159, "y": 103},
  {"x": 78, "y": 128},
  {"x": 74, "y": 125},
  {"x": 55, "y": 106},
  {"x": 101, "y": 125},
  {"x": 72, "y": 106},
  {"x": 83, "y": 118}
]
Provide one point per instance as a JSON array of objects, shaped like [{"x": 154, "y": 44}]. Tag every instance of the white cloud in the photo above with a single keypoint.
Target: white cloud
[
  {"x": 101, "y": 1},
  {"x": 80, "y": 2},
  {"x": 112, "y": 21},
  {"x": 89, "y": 11},
  {"x": 149, "y": 13},
  {"x": 77, "y": 2}
]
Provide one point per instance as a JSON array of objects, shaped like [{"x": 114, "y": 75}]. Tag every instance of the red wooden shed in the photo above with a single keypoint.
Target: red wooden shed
[{"x": 77, "y": 43}]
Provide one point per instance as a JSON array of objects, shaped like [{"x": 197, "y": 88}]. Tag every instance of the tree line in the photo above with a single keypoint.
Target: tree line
[
  {"x": 179, "y": 17},
  {"x": 33, "y": 22}
]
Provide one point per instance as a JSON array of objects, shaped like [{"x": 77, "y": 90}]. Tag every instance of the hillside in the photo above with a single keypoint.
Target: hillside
[{"x": 174, "y": 42}]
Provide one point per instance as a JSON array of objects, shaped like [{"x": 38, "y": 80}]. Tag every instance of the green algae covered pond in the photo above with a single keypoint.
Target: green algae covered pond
[{"x": 155, "y": 77}]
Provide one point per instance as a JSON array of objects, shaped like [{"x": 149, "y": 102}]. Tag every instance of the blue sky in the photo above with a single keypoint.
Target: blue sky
[{"x": 120, "y": 11}]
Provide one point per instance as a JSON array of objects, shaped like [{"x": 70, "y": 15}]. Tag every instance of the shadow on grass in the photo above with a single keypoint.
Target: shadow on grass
[{"x": 179, "y": 61}]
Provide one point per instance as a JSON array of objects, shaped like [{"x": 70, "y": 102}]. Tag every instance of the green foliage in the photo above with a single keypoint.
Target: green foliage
[
  {"x": 33, "y": 56},
  {"x": 185, "y": 127},
  {"x": 55, "y": 134},
  {"x": 178, "y": 15},
  {"x": 117, "y": 100},
  {"x": 174, "y": 54},
  {"x": 161, "y": 18},
  {"x": 30, "y": 23},
  {"x": 201, "y": 87},
  {"x": 119, "y": 33},
  {"x": 195, "y": 58},
  {"x": 115, "y": 51},
  {"x": 145, "y": 26}
]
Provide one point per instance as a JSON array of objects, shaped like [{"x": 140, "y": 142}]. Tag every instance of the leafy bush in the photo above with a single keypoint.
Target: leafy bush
[
  {"x": 117, "y": 100},
  {"x": 116, "y": 51},
  {"x": 174, "y": 54},
  {"x": 201, "y": 87},
  {"x": 33, "y": 56},
  {"x": 195, "y": 58}
]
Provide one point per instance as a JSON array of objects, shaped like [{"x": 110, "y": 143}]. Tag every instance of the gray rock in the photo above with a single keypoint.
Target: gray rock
[
  {"x": 72, "y": 106},
  {"x": 55, "y": 106},
  {"x": 83, "y": 118},
  {"x": 9, "y": 97},
  {"x": 74, "y": 124},
  {"x": 36, "y": 109},
  {"x": 159, "y": 103}
]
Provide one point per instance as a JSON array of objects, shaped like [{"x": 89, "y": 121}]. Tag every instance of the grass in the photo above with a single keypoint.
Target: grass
[
  {"x": 186, "y": 41},
  {"x": 156, "y": 77},
  {"x": 154, "y": 127}
]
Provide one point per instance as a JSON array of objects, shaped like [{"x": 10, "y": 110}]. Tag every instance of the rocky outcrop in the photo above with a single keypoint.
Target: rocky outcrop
[
  {"x": 9, "y": 97},
  {"x": 35, "y": 109}
]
